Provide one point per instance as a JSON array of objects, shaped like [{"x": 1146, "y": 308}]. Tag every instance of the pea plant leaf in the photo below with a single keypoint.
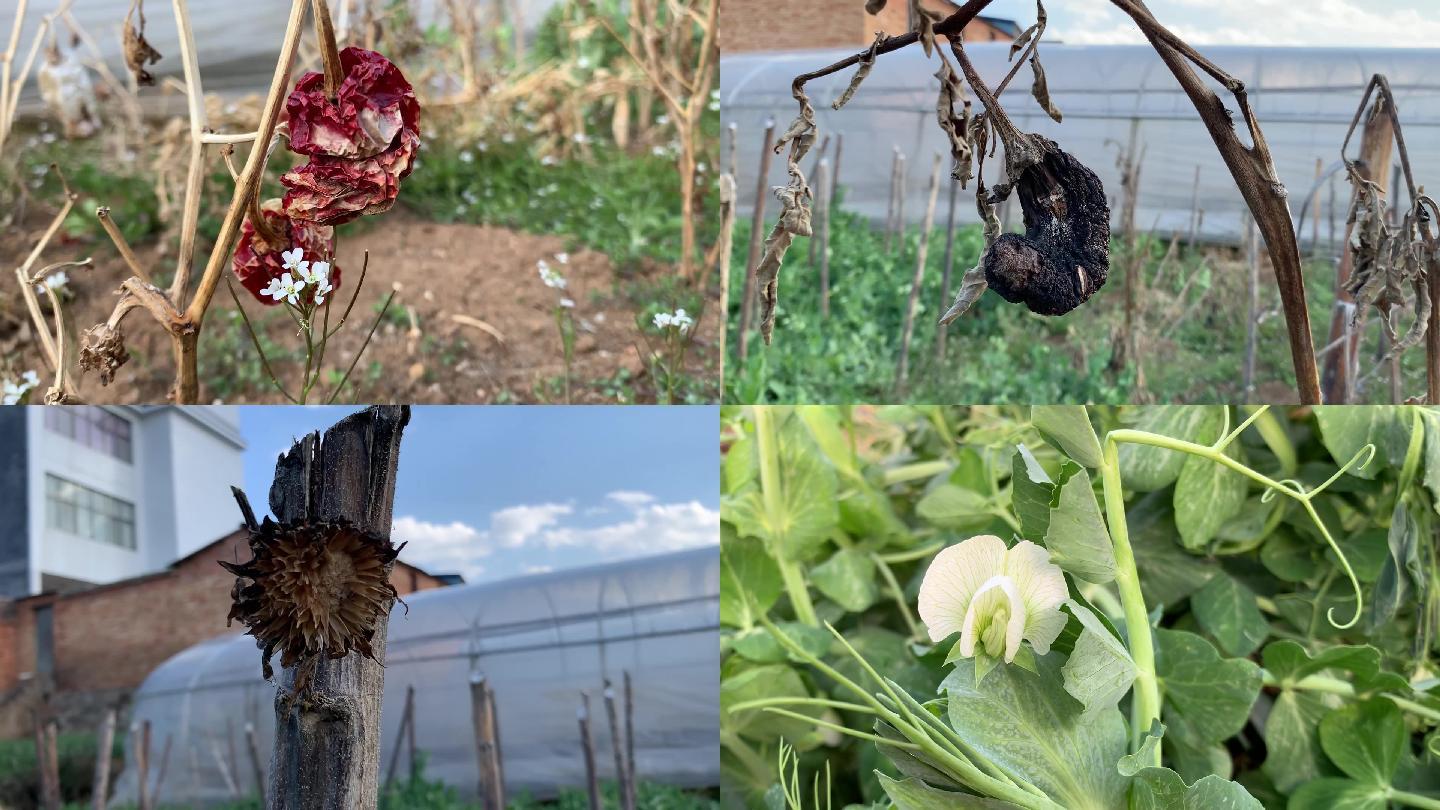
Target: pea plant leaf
[
  {"x": 749, "y": 578},
  {"x": 1346, "y": 430},
  {"x": 1365, "y": 740},
  {"x": 1100, "y": 670},
  {"x": 1157, "y": 788},
  {"x": 1399, "y": 570},
  {"x": 1027, "y": 723},
  {"x": 804, "y": 510},
  {"x": 1226, "y": 609},
  {"x": 914, "y": 794},
  {"x": 1211, "y": 695},
  {"x": 1145, "y": 468},
  {"x": 1076, "y": 535},
  {"x": 1206, "y": 495},
  {"x": 1068, "y": 429},
  {"x": 954, "y": 507},
  {"x": 847, "y": 579},
  {"x": 1030, "y": 492}
]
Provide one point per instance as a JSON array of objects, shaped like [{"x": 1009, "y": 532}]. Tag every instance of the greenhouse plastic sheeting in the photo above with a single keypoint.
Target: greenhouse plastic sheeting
[
  {"x": 539, "y": 640},
  {"x": 1304, "y": 99}
]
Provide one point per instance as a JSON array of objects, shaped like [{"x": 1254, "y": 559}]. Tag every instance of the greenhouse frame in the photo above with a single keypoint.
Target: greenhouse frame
[
  {"x": 539, "y": 641},
  {"x": 1114, "y": 99}
]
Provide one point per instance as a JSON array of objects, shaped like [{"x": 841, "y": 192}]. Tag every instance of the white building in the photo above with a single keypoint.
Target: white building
[{"x": 98, "y": 494}]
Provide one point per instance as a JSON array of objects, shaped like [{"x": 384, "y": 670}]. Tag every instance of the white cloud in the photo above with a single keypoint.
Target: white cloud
[
  {"x": 631, "y": 498},
  {"x": 441, "y": 548},
  {"x": 513, "y": 526},
  {"x": 651, "y": 529}
]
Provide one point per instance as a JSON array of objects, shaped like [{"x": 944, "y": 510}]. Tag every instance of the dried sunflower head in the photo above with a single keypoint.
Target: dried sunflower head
[{"x": 313, "y": 590}]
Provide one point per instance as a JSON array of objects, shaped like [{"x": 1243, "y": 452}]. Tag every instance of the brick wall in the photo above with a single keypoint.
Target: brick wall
[
  {"x": 111, "y": 637},
  {"x": 758, "y": 25}
]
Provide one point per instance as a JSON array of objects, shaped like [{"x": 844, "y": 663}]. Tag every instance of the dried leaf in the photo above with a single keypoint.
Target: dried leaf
[
  {"x": 972, "y": 286},
  {"x": 138, "y": 52},
  {"x": 866, "y": 63},
  {"x": 1041, "y": 91},
  {"x": 1021, "y": 41}
]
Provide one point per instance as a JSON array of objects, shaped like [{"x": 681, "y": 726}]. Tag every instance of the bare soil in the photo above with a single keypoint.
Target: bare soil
[{"x": 430, "y": 348}]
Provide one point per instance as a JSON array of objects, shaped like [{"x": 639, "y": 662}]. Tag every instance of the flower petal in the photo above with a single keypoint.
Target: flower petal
[{"x": 953, "y": 579}]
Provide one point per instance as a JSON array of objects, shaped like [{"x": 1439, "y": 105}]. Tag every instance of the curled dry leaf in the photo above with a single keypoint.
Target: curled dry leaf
[
  {"x": 1041, "y": 91},
  {"x": 867, "y": 61},
  {"x": 956, "y": 129},
  {"x": 1387, "y": 260},
  {"x": 259, "y": 261},
  {"x": 313, "y": 590},
  {"x": 794, "y": 210},
  {"x": 102, "y": 349},
  {"x": 138, "y": 52},
  {"x": 974, "y": 284}
]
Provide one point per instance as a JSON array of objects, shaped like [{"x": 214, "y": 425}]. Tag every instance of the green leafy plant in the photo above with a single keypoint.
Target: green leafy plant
[{"x": 1192, "y": 606}]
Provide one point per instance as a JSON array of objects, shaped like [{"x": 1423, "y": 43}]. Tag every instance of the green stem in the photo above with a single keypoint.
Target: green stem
[
  {"x": 916, "y": 471},
  {"x": 768, "y": 450},
  {"x": 1413, "y": 799},
  {"x": 1127, "y": 581},
  {"x": 899, "y": 594},
  {"x": 758, "y": 767},
  {"x": 1278, "y": 441},
  {"x": 1337, "y": 686}
]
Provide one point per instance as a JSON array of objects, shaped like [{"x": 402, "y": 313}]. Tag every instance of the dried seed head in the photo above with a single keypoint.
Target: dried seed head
[
  {"x": 1064, "y": 255},
  {"x": 313, "y": 590},
  {"x": 102, "y": 349}
]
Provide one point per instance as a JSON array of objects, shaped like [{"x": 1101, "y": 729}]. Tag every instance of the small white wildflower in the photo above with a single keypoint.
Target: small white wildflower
[
  {"x": 548, "y": 160},
  {"x": 657, "y": 151},
  {"x": 552, "y": 278},
  {"x": 12, "y": 391},
  {"x": 568, "y": 303},
  {"x": 994, "y": 596},
  {"x": 562, "y": 257},
  {"x": 467, "y": 157},
  {"x": 508, "y": 137},
  {"x": 662, "y": 119},
  {"x": 294, "y": 260},
  {"x": 663, "y": 319},
  {"x": 681, "y": 321},
  {"x": 54, "y": 281},
  {"x": 483, "y": 146},
  {"x": 285, "y": 288},
  {"x": 322, "y": 289},
  {"x": 580, "y": 138},
  {"x": 702, "y": 167},
  {"x": 583, "y": 63}
]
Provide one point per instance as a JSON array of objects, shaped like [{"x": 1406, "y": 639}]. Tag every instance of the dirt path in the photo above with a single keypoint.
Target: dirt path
[{"x": 431, "y": 348}]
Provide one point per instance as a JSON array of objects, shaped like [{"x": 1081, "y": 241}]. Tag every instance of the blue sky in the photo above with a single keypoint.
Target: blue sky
[
  {"x": 494, "y": 491},
  {"x": 1371, "y": 23}
]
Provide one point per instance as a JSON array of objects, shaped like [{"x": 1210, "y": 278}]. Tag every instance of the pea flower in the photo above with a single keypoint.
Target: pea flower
[
  {"x": 994, "y": 596},
  {"x": 550, "y": 276}
]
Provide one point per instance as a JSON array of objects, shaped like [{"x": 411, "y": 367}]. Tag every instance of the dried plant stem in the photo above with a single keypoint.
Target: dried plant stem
[
  {"x": 108, "y": 223},
  {"x": 329, "y": 52},
  {"x": 195, "y": 173}
]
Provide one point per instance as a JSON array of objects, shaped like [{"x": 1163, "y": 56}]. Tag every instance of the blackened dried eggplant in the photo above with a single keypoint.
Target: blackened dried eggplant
[{"x": 1064, "y": 255}]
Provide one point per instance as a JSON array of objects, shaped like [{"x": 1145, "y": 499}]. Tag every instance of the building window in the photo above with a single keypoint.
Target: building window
[
  {"x": 82, "y": 511},
  {"x": 93, "y": 427}
]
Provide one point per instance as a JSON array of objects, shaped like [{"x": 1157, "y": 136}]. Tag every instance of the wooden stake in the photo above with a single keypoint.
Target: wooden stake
[
  {"x": 1196, "y": 215},
  {"x": 1252, "y": 308},
  {"x": 630, "y": 719},
  {"x": 757, "y": 239},
  {"x": 817, "y": 190},
  {"x": 500, "y": 801},
  {"x": 947, "y": 268},
  {"x": 327, "y": 746},
  {"x": 835, "y": 169},
  {"x": 410, "y": 735},
  {"x": 233, "y": 761},
  {"x": 820, "y": 241},
  {"x": 727, "y": 246},
  {"x": 617, "y": 747},
  {"x": 254, "y": 748},
  {"x": 900, "y": 208},
  {"x": 142, "y": 767},
  {"x": 486, "y": 751},
  {"x": 105, "y": 744},
  {"x": 894, "y": 186},
  {"x": 52, "y": 762},
  {"x": 592, "y": 780},
  {"x": 1315, "y": 208},
  {"x": 406, "y": 716},
  {"x": 903, "y": 371},
  {"x": 1376, "y": 143},
  {"x": 160, "y": 773}
]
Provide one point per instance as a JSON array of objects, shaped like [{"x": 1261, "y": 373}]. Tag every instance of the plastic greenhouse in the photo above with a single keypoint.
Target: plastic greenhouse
[
  {"x": 539, "y": 640},
  {"x": 1304, "y": 99}
]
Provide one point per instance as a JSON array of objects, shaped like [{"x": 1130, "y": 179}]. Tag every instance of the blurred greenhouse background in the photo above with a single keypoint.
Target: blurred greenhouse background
[
  {"x": 538, "y": 641},
  {"x": 1109, "y": 94}
]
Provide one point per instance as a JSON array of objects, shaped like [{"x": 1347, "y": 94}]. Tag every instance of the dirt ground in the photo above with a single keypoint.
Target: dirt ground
[{"x": 471, "y": 322}]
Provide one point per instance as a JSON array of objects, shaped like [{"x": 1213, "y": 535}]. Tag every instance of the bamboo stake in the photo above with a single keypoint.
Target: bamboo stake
[
  {"x": 592, "y": 781},
  {"x": 757, "y": 238},
  {"x": 902, "y": 373},
  {"x": 105, "y": 744}
]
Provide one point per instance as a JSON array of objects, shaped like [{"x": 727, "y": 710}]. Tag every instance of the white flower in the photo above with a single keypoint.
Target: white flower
[
  {"x": 580, "y": 137},
  {"x": 293, "y": 260},
  {"x": 568, "y": 303},
  {"x": 11, "y": 392},
  {"x": 322, "y": 289},
  {"x": 663, "y": 319},
  {"x": 995, "y": 597},
  {"x": 662, "y": 119},
  {"x": 467, "y": 157},
  {"x": 548, "y": 160},
  {"x": 508, "y": 137},
  {"x": 53, "y": 281},
  {"x": 285, "y": 287},
  {"x": 657, "y": 151},
  {"x": 681, "y": 321},
  {"x": 314, "y": 273},
  {"x": 562, "y": 257},
  {"x": 551, "y": 278}
]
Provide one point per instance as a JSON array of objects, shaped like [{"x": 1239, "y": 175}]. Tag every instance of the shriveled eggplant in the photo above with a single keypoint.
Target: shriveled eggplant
[{"x": 1064, "y": 255}]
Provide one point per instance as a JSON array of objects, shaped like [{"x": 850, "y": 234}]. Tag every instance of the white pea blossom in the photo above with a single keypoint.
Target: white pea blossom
[
  {"x": 552, "y": 278},
  {"x": 12, "y": 391},
  {"x": 568, "y": 303},
  {"x": 994, "y": 596}
]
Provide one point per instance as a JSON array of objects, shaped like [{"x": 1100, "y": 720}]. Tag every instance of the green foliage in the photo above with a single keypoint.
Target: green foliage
[
  {"x": 1192, "y": 306},
  {"x": 1273, "y": 691},
  {"x": 19, "y": 780}
]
